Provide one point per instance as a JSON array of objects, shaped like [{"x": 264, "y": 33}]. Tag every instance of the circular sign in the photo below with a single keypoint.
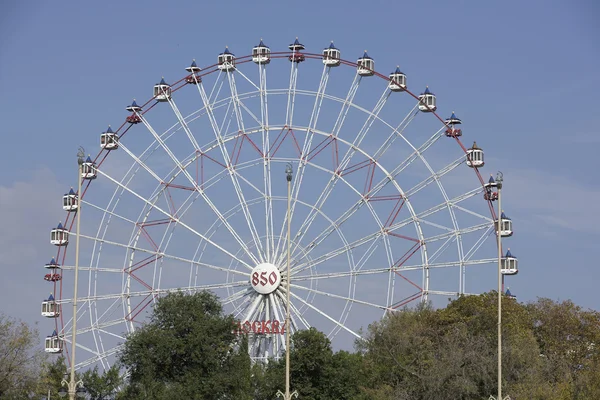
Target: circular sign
[{"x": 265, "y": 278}]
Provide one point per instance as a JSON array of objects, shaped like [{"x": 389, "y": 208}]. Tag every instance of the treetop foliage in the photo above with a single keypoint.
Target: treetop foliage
[{"x": 189, "y": 350}]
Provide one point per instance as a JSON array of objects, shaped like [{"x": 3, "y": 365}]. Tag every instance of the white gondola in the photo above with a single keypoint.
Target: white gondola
[
  {"x": 331, "y": 56},
  {"x": 427, "y": 101},
  {"x": 453, "y": 120},
  {"x": 59, "y": 236},
  {"x": 162, "y": 91},
  {"x": 133, "y": 107},
  {"x": 109, "y": 140},
  {"x": 296, "y": 56},
  {"x": 452, "y": 130},
  {"x": 296, "y": 46},
  {"x": 397, "y": 81},
  {"x": 226, "y": 61},
  {"x": 88, "y": 169},
  {"x": 506, "y": 227},
  {"x": 491, "y": 183},
  {"x": 510, "y": 264},
  {"x": 510, "y": 295},
  {"x": 475, "y": 156},
  {"x": 50, "y": 308},
  {"x": 70, "y": 201},
  {"x": 193, "y": 69},
  {"x": 261, "y": 53},
  {"x": 52, "y": 264},
  {"x": 53, "y": 344},
  {"x": 365, "y": 65},
  {"x": 134, "y": 118}
]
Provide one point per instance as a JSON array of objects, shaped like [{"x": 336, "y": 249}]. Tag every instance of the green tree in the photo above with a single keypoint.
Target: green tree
[
  {"x": 51, "y": 376},
  {"x": 20, "y": 358},
  {"x": 188, "y": 350},
  {"x": 316, "y": 372},
  {"x": 101, "y": 386}
]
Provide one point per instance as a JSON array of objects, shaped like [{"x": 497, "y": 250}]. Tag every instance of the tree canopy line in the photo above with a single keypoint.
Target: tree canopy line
[{"x": 188, "y": 350}]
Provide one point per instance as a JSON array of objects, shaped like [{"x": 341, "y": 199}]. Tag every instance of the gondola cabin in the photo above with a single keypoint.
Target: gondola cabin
[
  {"x": 261, "y": 53},
  {"x": 491, "y": 183},
  {"x": 296, "y": 46},
  {"x": 109, "y": 140},
  {"x": 59, "y": 236},
  {"x": 506, "y": 228},
  {"x": 296, "y": 55},
  {"x": 226, "y": 61},
  {"x": 133, "y": 107},
  {"x": 50, "y": 308},
  {"x": 475, "y": 156},
  {"x": 365, "y": 65},
  {"x": 193, "y": 69},
  {"x": 53, "y": 344},
  {"x": 88, "y": 169},
  {"x": 397, "y": 81},
  {"x": 510, "y": 295},
  {"x": 331, "y": 56},
  {"x": 452, "y": 130},
  {"x": 427, "y": 101},
  {"x": 70, "y": 201},
  {"x": 162, "y": 91},
  {"x": 510, "y": 264},
  {"x": 52, "y": 264}
]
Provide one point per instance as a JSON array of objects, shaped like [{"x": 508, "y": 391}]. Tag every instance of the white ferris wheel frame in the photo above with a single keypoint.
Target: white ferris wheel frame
[{"x": 271, "y": 249}]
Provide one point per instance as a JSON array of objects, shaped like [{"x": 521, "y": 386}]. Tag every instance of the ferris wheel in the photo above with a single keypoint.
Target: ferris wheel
[{"x": 195, "y": 189}]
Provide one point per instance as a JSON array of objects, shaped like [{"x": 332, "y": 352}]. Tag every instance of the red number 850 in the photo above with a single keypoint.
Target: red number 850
[{"x": 262, "y": 278}]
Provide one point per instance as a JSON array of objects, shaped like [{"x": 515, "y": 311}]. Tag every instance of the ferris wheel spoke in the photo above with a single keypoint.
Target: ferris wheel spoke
[
  {"x": 157, "y": 254},
  {"x": 139, "y": 162},
  {"x": 143, "y": 294},
  {"x": 479, "y": 242},
  {"x": 396, "y": 133},
  {"x": 183, "y": 124},
  {"x": 294, "y": 311},
  {"x": 310, "y": 133},
  {"x": 462, "y": 231},
  {"x": 274, "y": 306},
  {"x": 238, "y": 189},
  {"x": 98, "y": 357},
  {"x": 230, "y": 169},
  {"x": 335, "y": 296},
  {"x": 325, "y": 315},
  {"x": 184, "y": 171},
  {"x": 289, "y": 112},
  {"x": 266, "y": 150},
  {"x": 296, "y": 269},
  {"x": 175, "y": 219},
  {"x": 335, "y": 225},
  {"x": 362, "y": 134},
  {"x": 237, "y": 295},
  {"x": 433, "y": 177},
  {"x": 342, "y": 274},
  {"x": 449, "y": 264},
  {"x": 339, "y": 123},
  {"x": 252, "y": 310}
]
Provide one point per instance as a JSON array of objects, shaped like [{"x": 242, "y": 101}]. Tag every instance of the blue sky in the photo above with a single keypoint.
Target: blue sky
[{"x": 521, "y": 75}]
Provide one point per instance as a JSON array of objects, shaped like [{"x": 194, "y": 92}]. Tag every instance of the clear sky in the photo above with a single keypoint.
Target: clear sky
[{"x": 523, "y": 77}]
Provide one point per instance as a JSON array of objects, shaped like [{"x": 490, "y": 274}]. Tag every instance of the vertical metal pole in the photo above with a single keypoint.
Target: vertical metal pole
[
  {"x": 289, "y": 288},
  {"x": 499, "y": 237},
  {"x": 80, "y": 156}
]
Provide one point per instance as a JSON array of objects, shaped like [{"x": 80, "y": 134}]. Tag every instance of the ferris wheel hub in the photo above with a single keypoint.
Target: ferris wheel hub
[{"x": 265, "y": 278}]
